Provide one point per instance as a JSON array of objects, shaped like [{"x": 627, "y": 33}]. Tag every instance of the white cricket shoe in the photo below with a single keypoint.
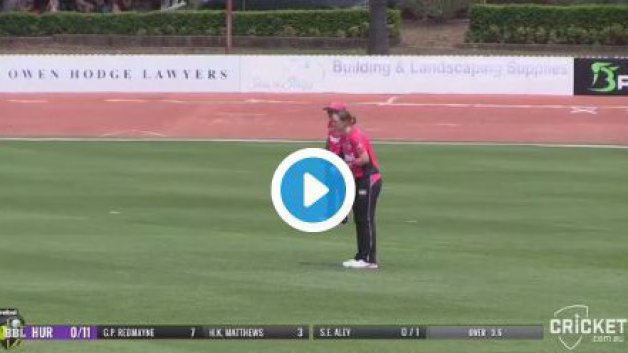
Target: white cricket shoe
[
  {"x": 361, "y": 264},
  {"x": 372, "y": 266},
  {"x": 349, "y": 263}
]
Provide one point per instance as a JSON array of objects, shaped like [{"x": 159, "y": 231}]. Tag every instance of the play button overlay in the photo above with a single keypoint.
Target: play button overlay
[{"x": 312, "y": 190}]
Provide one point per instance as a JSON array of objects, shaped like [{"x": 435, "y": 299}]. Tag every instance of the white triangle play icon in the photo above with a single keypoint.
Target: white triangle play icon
[{"x": 313, "y": 190}]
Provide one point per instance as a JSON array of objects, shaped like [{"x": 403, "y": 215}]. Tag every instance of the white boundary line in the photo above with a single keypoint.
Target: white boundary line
[
  {"x": 392, "y": 101},
  {"x": 289, "y": 141},
  {"x": 28, "y": 101},
  {"x": 125, "y": 100}
]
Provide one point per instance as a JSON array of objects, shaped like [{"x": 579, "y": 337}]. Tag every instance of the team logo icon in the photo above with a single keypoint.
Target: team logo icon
[
  {"x": 11, "y": 326},
  {"x": 604, "y": 77}
]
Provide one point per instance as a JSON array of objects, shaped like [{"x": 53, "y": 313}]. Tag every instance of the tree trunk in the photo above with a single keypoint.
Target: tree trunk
[{"x": 378, "y": 29}]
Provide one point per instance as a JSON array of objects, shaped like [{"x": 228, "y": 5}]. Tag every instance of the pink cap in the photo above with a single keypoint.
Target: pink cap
[{"x": 336, "y": 106}]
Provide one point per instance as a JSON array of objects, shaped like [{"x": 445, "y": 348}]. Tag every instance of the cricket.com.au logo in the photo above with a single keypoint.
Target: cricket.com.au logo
[
  {"x": 11, "y": 326},
  {"x": 606, "y": 78},
  {"x": 573, "y": 325}
]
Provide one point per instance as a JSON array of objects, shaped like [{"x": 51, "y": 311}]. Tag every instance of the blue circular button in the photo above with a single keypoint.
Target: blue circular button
[{"x": 313, "y": 190}]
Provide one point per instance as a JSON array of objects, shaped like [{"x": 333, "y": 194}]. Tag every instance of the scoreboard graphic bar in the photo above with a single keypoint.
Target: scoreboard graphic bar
[
  {"x": 418, "y": 332},
  {"x": 150, "y": 332},
  {"x": 280, "y": 332}
]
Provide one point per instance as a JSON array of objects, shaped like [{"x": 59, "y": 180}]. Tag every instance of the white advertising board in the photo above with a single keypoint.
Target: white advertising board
[
  {"x": 287, "y": 74},
  {"x": 408, "y": 74},
  {"x": 119, "y": 73}
]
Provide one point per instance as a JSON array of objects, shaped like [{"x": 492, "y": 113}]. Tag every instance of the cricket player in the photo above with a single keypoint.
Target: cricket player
[
  {"x": 359, "y": 154},
  {"x": 333, "y": 136},
  {"x": 333, "y": 140}
]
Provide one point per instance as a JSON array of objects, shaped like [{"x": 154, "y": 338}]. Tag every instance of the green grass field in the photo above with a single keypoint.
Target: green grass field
[{"x": 182, "y": 233}]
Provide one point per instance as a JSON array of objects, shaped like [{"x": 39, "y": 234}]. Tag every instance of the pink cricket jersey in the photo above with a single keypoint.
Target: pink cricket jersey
[{"x": 353, "y": 145}]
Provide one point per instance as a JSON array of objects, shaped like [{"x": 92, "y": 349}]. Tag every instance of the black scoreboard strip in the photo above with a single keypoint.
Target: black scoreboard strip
[
  {"x": 280, "y": 332},
  {"x": 214, "y": 332},
  {"x": 420, "y": 332},
  {"x": 370, "y": 332}
]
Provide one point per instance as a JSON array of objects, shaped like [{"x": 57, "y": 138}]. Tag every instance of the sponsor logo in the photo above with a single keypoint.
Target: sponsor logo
[
  {"x": 43, "y": 74},
  {"x": 573, "y": 324},
  {"x": 601, "y": 76},
  {"x": 604, "y": 72},
  {"x": 11, "y": 328}
]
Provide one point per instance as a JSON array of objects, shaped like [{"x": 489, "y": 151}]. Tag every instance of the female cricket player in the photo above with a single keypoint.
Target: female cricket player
[
  {"x": 333, "y": 143},
  {"x": 333, "y": 136},
  {"x": 358, "y": 152}
]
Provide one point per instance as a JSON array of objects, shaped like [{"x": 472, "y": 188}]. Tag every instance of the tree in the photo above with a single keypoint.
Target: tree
[{"x": 378, "y": 29}]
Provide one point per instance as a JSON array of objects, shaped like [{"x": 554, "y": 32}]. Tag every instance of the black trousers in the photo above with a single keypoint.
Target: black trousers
[{"x": 364, "y": 216}]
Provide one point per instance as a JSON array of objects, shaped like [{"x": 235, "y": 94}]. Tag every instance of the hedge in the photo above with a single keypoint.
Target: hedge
[
  {"x": 541, "y": 24},
  {"x": 442, "y": 10},
  {"x": 553, "y": 2},
  {"x": 436, "y": 10},
  {"x": 282, "y": 4},
  {"x": 304, "y": 23}
]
